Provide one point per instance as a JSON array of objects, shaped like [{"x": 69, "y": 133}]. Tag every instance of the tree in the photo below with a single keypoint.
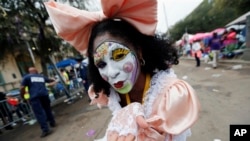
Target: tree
[
  {"x": 25, "y": 21},
  {"x": 209, "y": 15}
]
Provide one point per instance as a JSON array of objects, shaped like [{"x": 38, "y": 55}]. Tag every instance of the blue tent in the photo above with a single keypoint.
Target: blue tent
[{"x": 65, "y": 63}]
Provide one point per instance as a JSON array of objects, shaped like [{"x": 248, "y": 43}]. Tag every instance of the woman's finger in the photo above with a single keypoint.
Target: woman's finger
[
  {"x": 130, "y": 137},
  {"x": 121, "y": 138},
  {"x": 141, "y": 122},
  {"x": 93, "y": 101},
  {"x": 112, "y": 136},
  {"x": 91, "y": 92}
]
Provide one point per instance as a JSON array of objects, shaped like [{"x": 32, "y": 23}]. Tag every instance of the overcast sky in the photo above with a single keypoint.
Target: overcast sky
[
  {"x": 169, "y": 11},
  {"x": 172, "y": 11}
]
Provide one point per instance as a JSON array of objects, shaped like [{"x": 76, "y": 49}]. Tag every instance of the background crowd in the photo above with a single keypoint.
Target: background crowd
[{"x": 222, "y": 43}]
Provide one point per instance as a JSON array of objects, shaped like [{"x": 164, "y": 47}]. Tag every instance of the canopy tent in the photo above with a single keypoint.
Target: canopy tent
[
  {"x": 65, "y": 63},
  {"x": 199, "y": 36},
  {"x": 239, "y": 20},
  {"x": 219, "y": 31}
]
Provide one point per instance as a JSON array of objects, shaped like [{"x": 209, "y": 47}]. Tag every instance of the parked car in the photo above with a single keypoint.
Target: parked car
[{"x": 14, "y": 92}]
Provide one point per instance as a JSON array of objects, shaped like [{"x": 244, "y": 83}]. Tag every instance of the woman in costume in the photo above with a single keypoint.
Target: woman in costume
[{"x": 130, "y": 69}]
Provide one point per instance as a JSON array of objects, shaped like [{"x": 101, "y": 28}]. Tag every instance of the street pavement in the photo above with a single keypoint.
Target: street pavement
[
  {"x": 223, "y": 94},
  {"x": 75, "y": 122}
]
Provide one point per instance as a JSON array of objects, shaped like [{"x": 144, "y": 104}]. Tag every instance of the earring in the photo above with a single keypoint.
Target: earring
[{"x": 142, "y": 61}]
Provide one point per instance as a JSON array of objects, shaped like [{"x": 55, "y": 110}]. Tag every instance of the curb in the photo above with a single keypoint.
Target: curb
[{"x": 230, "y": 61}]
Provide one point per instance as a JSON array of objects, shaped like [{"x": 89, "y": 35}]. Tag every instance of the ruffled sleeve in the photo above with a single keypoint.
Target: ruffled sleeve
[{"x": 175, "y": 109}]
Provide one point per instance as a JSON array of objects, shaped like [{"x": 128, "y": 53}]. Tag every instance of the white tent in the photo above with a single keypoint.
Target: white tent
[{"x": 239, "y": 20}]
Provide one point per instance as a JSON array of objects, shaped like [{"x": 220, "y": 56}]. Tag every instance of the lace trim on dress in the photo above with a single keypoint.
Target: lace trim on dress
[{"x": 158, "y": 82}]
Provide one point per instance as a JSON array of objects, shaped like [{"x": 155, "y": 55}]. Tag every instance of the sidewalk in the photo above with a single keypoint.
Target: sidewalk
[{"x": 74, "y": 122}]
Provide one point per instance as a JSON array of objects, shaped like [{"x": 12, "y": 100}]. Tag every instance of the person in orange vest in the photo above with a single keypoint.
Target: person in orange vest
[{"x": 196, "y": 52}]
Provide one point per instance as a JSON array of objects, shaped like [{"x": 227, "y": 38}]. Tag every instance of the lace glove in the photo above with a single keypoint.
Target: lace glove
[
  {"x": 151, "y": 134},
  {"x": 125, "y": 123}
]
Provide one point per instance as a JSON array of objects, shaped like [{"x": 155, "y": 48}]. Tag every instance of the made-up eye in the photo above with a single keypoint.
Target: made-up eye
[
  {"x": 119, "y": 54},
  {"x": 101, "y": 64}
]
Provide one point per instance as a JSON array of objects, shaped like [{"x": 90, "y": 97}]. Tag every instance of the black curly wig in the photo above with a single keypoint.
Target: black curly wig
[{"x": 157, "y": 52}]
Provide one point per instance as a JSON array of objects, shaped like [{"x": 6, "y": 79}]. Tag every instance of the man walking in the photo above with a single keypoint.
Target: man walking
[
  {"x": 215, "y": 45},
  {"x": 39, "y": 99}
]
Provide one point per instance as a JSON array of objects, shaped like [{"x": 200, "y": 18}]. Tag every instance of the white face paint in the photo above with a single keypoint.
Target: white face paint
[{"x": 117, "y": 65}]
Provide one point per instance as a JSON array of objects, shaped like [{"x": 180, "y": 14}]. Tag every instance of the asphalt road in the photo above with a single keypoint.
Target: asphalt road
[
  {"x": 224, "y": 96},
  {"x": 223, "y": 92}
]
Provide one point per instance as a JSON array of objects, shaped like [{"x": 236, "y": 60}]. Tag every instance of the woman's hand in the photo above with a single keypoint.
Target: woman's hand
[
  {"x": 114, "y": 136},
  {"x": 126, "y": 122},
  {"x": 100, "y": 98}
]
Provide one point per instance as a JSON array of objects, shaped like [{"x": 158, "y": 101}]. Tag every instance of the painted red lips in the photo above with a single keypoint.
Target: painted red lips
[{"x": 119, "y": 84}]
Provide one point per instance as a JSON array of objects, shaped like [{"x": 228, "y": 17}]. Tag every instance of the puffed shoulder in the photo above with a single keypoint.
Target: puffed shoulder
[{"x": 175, "y": 109}]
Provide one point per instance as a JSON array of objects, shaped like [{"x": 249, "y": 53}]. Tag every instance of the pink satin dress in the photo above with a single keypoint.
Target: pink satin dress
[{"x": 170, "y": 109}]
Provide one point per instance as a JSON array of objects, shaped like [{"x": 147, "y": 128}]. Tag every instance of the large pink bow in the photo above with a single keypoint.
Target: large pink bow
[{"x": 74, "y": 25}]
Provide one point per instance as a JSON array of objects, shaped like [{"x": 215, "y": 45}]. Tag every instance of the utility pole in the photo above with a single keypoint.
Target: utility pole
[{"x": 246, "y": 54}]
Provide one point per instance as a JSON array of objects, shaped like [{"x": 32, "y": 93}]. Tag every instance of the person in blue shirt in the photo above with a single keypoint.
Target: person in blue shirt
[
  {"x": 39, "y": 98},
  {"x": 215, "y": 46}
]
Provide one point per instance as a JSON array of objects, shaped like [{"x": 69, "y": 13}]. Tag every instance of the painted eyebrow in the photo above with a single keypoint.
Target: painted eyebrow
[{"x": 111, "y": 42}]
